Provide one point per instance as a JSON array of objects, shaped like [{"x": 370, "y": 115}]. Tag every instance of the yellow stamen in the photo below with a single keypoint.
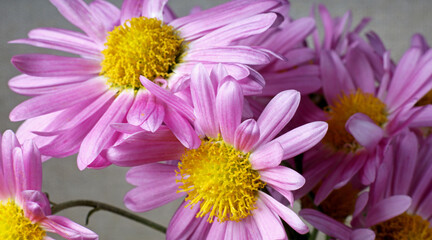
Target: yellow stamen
[
  {"x": 14, "y": 225},
  {"x": 141, "y": 46},
  {"x": 221, "y": 178},
  {"x": 403, "y": 227},
  {"x": 339, "y": 113}
]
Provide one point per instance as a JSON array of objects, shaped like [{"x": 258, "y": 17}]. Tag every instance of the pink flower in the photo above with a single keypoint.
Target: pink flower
[
  {"x": 76, "y": 99},
  {"x": 224, "y": 176},
  {"x": 364, "y": 113},
  {"x": 25, "y": 211}
]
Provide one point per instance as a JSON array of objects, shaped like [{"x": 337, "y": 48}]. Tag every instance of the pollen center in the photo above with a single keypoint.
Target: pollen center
[
  {"x": 141, "y": 46},
  {"x": 339, "y": 113},
  {"x": 221, "y": 179},
  {"x": 403, "y": 227},
  {"x": 14, "y": 225}
]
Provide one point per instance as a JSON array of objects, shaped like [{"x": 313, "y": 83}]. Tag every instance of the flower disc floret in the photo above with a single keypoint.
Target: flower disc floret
[
  {"x": 14, "y": 225},
  {"x": 141, "y": 46},
  {"x": 221, "y": 179},
  {"x": 403, "y": 227},
  {"x": 338, "y": 114}
]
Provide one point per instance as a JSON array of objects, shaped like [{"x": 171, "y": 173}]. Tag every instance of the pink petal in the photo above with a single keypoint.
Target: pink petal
[
  {"x": 67, "y": 229},
  {"x": 108, "y": 13},
  {"x": 268, "y": 224},
  {"x": 282, "y": 177},
  {"x": 204, "y": 101},
  {"x": 387, "y": 209},
  {"x": 183, "y": 223},
  {"x": 182, "y": 129},
  {"x": 79, "y": 14},
  {"x": 102, "y": 136},
  {"x": 302, "y": 138},
  {"x": 267, "y": 156},
  {"x": 364, "y": 130},
  {"x": 361, "y": 71},
  {"x": 285, "y": 213},
  {"x": 8, "y": 144},
  {"x": 43, "y": 65},
  {"x": 136, "y": 114},
  {"x": 217, "y": 231},
  {"x": 326, "y": 224},
  {"x": 131, "y": 9},
  {"x": 362, "y": 234},
  {"x": 32, "y": 166},
  {"x": 66, "y": 98},
  {"x": 246, "y": 135},
  {"x": 154, "y": 9},
  {"x": 154, "y": 118},
  {"x": 229, "y": 105},
  {"x": 277, "y": 114},
  {"x": 228, "y": 54}
]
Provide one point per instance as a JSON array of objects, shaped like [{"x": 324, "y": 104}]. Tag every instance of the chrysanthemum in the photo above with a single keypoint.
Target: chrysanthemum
[
  {"x": 224, "y": 179},
  {"x": 399, "y": 203},
  {"x": 25, "y": 211},
  {"x": 363, "y": 114},
  {"x": 76, "y": 99}
]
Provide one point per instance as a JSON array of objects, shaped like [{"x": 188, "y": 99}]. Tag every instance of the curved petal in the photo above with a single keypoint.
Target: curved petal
[
  {"x": 326, "y": 224},
  {"x": 268, "y": 224},
  {"x": 182, "y": 129},
  {"x": 364, "y": 130},
  {"x": 282, "y": 177},
  {"x": 387, "y": 209},
  {"x": 228, "y": 54},
  {"x": 267, "y": 156},
  {"x": 67, "y": 228},
  {"x": 246, "y": 135},
  {"x": 183, "y": 223}
]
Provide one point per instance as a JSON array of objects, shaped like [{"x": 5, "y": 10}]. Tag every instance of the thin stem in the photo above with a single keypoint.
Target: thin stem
[{"x": 103, "y": 206}]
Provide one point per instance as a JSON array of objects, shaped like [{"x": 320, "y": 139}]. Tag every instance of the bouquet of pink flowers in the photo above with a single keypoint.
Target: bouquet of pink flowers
[{"x": 238, "y": 110}]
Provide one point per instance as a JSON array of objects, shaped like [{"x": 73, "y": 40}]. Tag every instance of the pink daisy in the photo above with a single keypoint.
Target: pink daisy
[
  {"x": 399, "y": 203},
  {"x": 363, "y": 113},
  {"x": 76, "y": 99},
  {"x": 225, "y": 177},
  {"x": 25, "y": 211}
]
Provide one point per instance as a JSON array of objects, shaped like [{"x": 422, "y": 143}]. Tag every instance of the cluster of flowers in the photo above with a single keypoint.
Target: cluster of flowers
[{"x": 207, "y": 107}]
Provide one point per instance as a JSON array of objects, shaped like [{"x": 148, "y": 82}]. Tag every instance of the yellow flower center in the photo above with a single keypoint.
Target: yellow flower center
[
  {"x": 338, "y": 205},
  {"x": 221, "y": 179},
  {"x": 339, "y": 113},
  {"x": 403, "y": 227},
  {"x": 141, "y": 46},
  {"x": 14, "y": 225},
  {"x": 425, "y": 100}
]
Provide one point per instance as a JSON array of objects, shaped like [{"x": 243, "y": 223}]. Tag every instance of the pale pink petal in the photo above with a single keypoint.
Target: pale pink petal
[
  {"x": 63, "y": 36},
  {"x": 217, "y": 231},
  {"x": 67, "y": 229},
  {"x": 19, "y": 170},
  {"x": 43, "y": 65},
  {"x": 268, "y": 224},
  {"x": 246, "y": 135},
  {"x": 8, "y": 144},
  {"x": 364, "y": 130},
  {"x": 229, "y": 106},
  {"x": 419, "y": 41},
  {"x": 326, "y": 224},
  {"x": 387, "y": 209},
  {"x": 136, "y": 114},
  {"x": 302, "y": 138},
  {"x": 65, "y": 98},
  {"x": 131, "y": 9},
  {"x": 288, "y": 215},
  {"x": 169, "y": 98},
  {"x": 155, "y": 118},
  {"x": 182, "y": 129},
  {"x": 108, "y": 13},
  {"x": 153, "y": 9},
  {"x": 39, "y": 205},
  {"x": 277, "y": 114},
  {"x": 237, "y": 30},
  {"x": 204, "y": 101},
  {"x": 32, "y": 166},
  {"x": 282, "y": 177},
  {"x": 267, "y": 156},
  {"x": 79, "y": 14},
  {"x": 183, "y": 223},
  {"x": 145, "y": 147},
  {"x": 102, "y": 136},
  {"x": 228, "y": 54}
]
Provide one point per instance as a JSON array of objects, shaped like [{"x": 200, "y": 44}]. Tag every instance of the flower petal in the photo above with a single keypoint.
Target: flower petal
[
  {"x": 67, "y": 228},
  {"x": 326, "y": 224},
  {"x": 246, "y": 135},
  {"x": 364, "y": 130},
  {"x": 228, "y": 54},
  {"x": 267, "y": 156},
  {"x": 387, "y": 209},
  {"x": 282, "y": 177}
]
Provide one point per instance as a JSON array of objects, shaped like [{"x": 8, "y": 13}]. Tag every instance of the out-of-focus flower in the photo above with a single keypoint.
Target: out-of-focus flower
[
  {"x": 25, "y": 211},
  {"x": 225, "y": 176},
  {"x": 76, "y": 99}
]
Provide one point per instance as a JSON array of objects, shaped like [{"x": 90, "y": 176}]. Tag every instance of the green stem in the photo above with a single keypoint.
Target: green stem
[{"x": 103, "y": 206}]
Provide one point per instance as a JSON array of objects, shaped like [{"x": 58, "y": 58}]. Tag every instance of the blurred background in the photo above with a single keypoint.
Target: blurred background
[{"x": 394, "y": 20}]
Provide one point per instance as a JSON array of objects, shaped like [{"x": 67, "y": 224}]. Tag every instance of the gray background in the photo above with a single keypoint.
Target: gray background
[{"x": 394, "y": 20}]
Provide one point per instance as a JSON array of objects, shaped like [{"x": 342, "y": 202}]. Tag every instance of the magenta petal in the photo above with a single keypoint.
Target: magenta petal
[
  {"x": 204, "y": 101},
  {"x": 229, "y": 106},
  {"x": 182, "y": 129},
  {"x": 169, "y": 98},
  {"x": 43, "y": 65},
  {"x": 145, "y": 147},
  {"x": 387, "y": 209},
  {"x": 302, "y": 138},
  {"x": 267, "y": 156},
  {"x": 267, "y": 223},
  {"x": 362, "y": 234},
  {"x": 79, "y": 14},
  {"x": 246, "y": 135},
  {"x": 288, "y": 215},
  {"x": 67, "y": 228},
  {"x": 364, "y": 130},
  {"x": 282, "y": 177},
  {"x": 361, "y": 71},
  {"x": 326, "y": 224},
  {"x": 41, "y": 105},
  {"x": 102, "y": 135},
  {"x": 277, "y": 114}
]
